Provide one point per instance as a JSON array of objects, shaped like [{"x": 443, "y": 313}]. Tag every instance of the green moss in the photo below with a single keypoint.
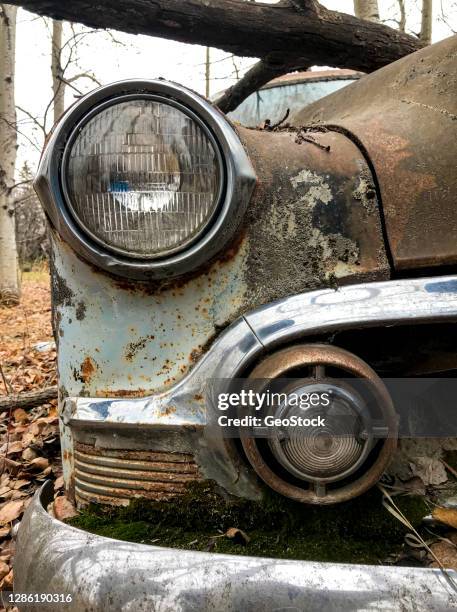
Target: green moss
[{"x": 359, "y": 531}]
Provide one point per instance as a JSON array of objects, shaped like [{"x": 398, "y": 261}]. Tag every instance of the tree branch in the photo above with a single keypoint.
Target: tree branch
[
  {"x": 254, "y": 78},
  {"x": 245, "y": 28},
  {"x": 28, "y": 399}
]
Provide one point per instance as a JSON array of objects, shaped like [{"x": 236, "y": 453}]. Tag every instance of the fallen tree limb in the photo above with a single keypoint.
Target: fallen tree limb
[
  {"x": 303, "y": 31},
  {"x": 254, "y": 78},
  {"x": 28, "y": 399}
]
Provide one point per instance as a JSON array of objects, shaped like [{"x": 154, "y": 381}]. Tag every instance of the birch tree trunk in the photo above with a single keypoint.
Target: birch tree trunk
[
  {"x": 402, "y": 22},
  {"x": 366, "y": 9},
  {"x": 426, "y": 23},
  {"x": 58, "y": 86},
  {"x": 9, "y": 269},
  {"x": 207, "y": 72}
]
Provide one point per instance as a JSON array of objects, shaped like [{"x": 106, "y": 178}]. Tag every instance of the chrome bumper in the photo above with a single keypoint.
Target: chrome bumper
[{"x": 104, "y": 574}]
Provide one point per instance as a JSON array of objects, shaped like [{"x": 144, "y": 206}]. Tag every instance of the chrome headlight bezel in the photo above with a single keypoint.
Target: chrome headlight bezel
[{"x": 237, "y": 185}]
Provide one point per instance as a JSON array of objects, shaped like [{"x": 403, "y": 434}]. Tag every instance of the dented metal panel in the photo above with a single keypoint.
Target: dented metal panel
[{"x": 405, "y": 115}]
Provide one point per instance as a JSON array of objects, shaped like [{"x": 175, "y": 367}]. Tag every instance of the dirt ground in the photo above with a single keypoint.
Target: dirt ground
[{"x": 29, "y": 440}]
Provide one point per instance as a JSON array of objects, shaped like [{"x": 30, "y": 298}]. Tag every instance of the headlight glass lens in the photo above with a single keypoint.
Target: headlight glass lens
[{"x": 143, "y": 177}]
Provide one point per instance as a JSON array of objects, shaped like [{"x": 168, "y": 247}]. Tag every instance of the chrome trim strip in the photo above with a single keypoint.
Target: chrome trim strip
[{"x": 104, "y": 574}]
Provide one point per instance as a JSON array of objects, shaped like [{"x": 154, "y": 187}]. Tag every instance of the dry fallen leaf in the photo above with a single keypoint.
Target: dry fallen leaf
[
  {"x": 19, "y": 484},
  {"x": 11, "y": 511},
  {"x": 20, "y": 415},
  {"x": 28, "y": 454},
  {"x": 237, "y": 535},
  {"x": 446, "y": 553},
  {"x": 448, "y": 516},
  {"x": 15, "y": 447},
  {"x": 4, "y": 532},
  {"x": 4, "y": 490},
  {"x": 40, "y": 463},
  {"x": 4, "y": 570},
  {"x": 63, "y": 508},
  {"x": 7, "y": 582}
]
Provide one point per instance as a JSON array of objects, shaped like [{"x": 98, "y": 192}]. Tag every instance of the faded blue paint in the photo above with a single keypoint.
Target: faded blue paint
[{"x": 123, "y": 339}]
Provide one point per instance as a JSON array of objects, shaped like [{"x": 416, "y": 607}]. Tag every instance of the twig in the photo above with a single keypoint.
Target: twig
[
  {"x": 270, "y": 127},
  {"x": 8, "y": 390},
  {"x": 302, "y": 138},
  {"x": 449, "y": 468}
]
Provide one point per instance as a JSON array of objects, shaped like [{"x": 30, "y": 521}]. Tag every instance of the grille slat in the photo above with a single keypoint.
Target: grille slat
[{"x": 109, "y": 476}]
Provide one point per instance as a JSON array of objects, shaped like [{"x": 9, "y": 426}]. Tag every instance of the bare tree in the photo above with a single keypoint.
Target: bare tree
[
  {"x": 58, "y": 86},
  {"x": 207, "y": 72},
  {"x": 402, "y": 20},
  {"x": 367, "y": 9},
  {"x": 9, "y": 270},
  {"x": 426, "y": 21},
  {"x": 64, "y": 59}
]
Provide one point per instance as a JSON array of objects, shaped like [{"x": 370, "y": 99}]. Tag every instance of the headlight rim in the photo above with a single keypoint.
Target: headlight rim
[
  {"x": 63, "y": 174},
  {"x": 240, "y": 180}
]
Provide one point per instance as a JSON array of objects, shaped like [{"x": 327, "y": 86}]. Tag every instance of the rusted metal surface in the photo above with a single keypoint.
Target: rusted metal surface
[
  {"x": 136, "y": 423},
  {"x": 135, "y": 339},
  {"x": 278, "y": 365},
  {"x": 405, "y": 115},
  {"x": 313, "y": 220},
  {"x": 116, "y": 476}
]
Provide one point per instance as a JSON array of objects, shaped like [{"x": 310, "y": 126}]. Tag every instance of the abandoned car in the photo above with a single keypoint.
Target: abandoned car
[{"x": 189, "y": 252}]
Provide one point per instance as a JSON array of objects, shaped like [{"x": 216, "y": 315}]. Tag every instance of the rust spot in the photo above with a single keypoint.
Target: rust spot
[
  {"x": 198, "y": 397},
  {"x": 176, "y": 284},
  {"x": 122, "y": 392},
  {"x": 80, "y": 311},
  {"x": 168, "y": 410},
  {"x": 88, "y": 369},
  {"x": 134, "y": 347},
  {"x": 195, "y": 355}
]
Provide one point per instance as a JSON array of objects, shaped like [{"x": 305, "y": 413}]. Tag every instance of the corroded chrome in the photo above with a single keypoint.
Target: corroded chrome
[
  {"x": 342, "y": 456},
  {"x": 104, "y": 574},
  {"x": 115, "y": 476},
  {"x": 367, "y": 305}
]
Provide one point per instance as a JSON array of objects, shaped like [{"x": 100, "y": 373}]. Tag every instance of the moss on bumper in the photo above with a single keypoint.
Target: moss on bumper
[{"x": 359, "y": 531}]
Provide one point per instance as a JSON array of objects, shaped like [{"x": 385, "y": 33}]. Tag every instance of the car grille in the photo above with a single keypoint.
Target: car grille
[{"x": 114, "y": 477}]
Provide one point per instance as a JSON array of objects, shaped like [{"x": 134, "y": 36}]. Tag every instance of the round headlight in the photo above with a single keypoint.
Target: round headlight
[
  {"x": 143, "y": 176},
  {"x": 145, "y": 179}
]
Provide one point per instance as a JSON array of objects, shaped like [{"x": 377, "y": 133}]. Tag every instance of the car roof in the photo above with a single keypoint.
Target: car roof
[{"x": 313, "y": 76}]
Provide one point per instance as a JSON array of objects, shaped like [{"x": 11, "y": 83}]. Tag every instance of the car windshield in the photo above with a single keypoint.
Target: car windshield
[{"x": 272, "y": 103}]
